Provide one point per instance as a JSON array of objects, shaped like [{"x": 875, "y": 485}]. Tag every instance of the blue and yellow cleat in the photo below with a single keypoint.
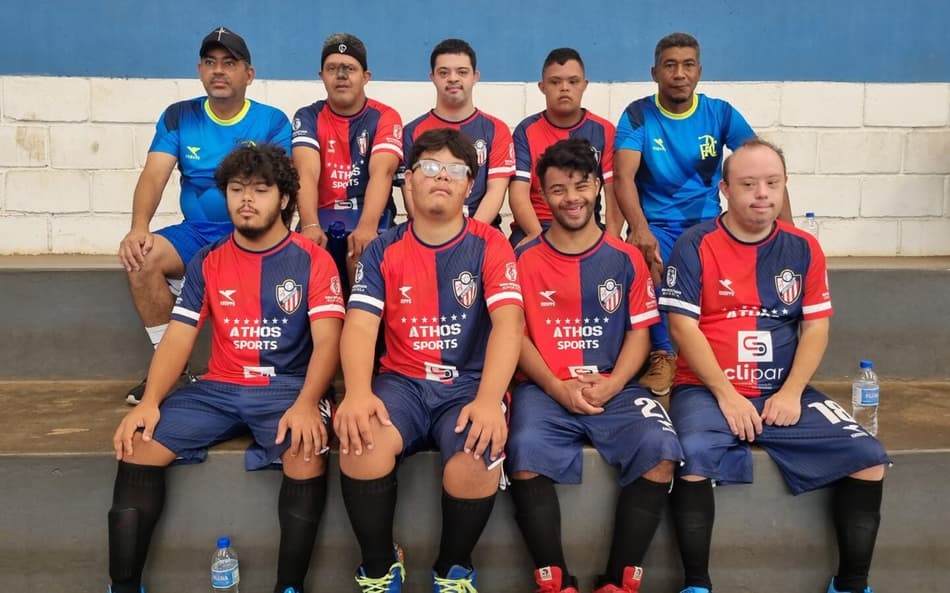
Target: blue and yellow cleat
[
  {"x": 831, "y": 588},
  {"x": 391, "y": 582},
  {"x": 695, "y": 590},
  {"x": 459, "y": 580}
]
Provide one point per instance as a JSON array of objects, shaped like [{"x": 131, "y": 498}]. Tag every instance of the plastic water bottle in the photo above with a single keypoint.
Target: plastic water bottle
[
  {"x": 225, "y": 574},
  {"x": 811, "y": 224},
  {"x": 865, "y": 395}
]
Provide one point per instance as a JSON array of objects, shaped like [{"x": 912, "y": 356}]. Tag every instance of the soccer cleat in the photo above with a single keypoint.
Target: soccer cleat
[
  {"x": 134, "y": 396},
  {"x": 459, "y": 580},
  {"x": 550, "y": 579},
  {"x": 695, "y": 590},
  {"x": 659, "y": 375},
  {"x": 292, "y": 590},
  {"x": 632, "y": 575},
  {"x": 141, "y": 589},
  {"x": 831, "y": 588},
  {"x": 391, "y": 582}
]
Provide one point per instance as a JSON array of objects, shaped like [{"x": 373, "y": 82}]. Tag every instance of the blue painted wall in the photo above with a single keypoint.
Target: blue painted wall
[{"x": 842, "y": 40}]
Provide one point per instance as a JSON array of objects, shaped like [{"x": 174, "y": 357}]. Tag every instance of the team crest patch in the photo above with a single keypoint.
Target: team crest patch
[
  {"x": 609, "y": 295},
  {"x": 289, "y": 296},
  {"x": 481, "y": 150},
  {"x": 511, "y": 271},
  {"x": 363, "y": 142},
  {"x": 358, "y": 273},
  {"x": 788, "y": 285},
  {"x": 670, "y": 276},
  {"x": 465, "y": 289},
  {"x": 335, "y": 287}
]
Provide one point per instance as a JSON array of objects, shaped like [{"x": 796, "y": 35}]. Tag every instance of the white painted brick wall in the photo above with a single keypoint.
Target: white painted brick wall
[{"x": 872, "y": 160}]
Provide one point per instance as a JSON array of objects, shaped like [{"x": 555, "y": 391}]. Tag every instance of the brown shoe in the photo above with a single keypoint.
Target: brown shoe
[{"x": 658, "y": 378}]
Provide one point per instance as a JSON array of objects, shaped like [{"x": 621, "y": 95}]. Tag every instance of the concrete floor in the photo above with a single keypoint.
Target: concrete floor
[{"x": 80, "y": 416}]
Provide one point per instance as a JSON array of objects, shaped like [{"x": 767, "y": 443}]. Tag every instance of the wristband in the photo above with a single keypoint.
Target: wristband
[{"x": 307, "y": 226}]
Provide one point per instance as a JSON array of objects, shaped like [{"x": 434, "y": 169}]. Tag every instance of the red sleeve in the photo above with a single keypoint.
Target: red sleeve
[
  {"x": 500, "y": 272},
  {"x": 501, "y": 163},
  {"x": 388, "y": 136},
  {"x": 325, "y": 299},
  {"x": 817, "y": 300},
  {"x": 642, "y": 297}
]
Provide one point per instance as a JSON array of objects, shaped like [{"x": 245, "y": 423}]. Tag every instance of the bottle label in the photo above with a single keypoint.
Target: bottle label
[
  {"x": 223, "y": 579},
  {"x": 866, "y": 396}
]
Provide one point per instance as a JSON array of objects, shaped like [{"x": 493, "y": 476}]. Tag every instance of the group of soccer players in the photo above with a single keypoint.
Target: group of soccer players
[{"x": 565, "y": 311}]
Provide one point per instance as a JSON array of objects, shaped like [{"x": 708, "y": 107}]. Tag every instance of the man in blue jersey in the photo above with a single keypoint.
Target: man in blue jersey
[
  {"x": 669, "y": 150},
  {"x": 196, "y": 135}
]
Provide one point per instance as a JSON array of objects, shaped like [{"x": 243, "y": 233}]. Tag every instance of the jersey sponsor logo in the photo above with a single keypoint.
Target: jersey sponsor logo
[
  {"x": 658, "y": 145},
  {"x": 609, "y": 295},
  {"x": 252, "y": 372},
  {"x": 404, "y": 291},
  {"x": 596, "y": 152},
  {"x": 481, "y": 151},
  {"x": 358, "y": 273},
  {"x": 227, "y": 299},
  {"x": 289, "y": 296},
  {"x": 548, "y": 296},
  {"x": 788, "y": 285},
  {"x": 363, "y": 142},
  {"x": 441, "y": 372},
  {"x": 707, "y": 147},
  {"x": 670, "y": 276},
  {"x": 754, "y": 346},
  {"x": 341, "y": 48},
  {"x": 511, "y": 271},
  {"x": 465, "y": 289},
  {"x": 583, "y": 369},
  {"x": 726, "y": 289},
  {"x": 193, "y": 153},
  {"x": 247, "y": 142},
  {"x": 331, "y": 146},
  {"x": 348, "y": 204}
]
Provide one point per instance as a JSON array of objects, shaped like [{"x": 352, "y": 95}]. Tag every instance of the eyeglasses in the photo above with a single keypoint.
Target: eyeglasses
[
  {"x": 343, "y": 70},
  {"x": 431, "y": 168}
]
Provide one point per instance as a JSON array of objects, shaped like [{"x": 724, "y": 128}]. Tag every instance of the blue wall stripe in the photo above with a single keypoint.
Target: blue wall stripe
[{"x": 843, "y": 40}]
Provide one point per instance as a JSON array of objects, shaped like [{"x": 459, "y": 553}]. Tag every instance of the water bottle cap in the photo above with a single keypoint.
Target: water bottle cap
[
  {"x": 224, "y": 542},
  {"x": 809, "y": 215},
  {"x": 867, "y": 364}
]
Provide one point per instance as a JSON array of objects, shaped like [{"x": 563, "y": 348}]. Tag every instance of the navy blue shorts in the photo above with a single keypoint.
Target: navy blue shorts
[
  {"x": 824, "y": 446},
  {"x": 188, "y": 236},
  {"x": 425, "y": 412},
  {"x": 205, "y": 413},
  {"x": 633, "y": 434}
]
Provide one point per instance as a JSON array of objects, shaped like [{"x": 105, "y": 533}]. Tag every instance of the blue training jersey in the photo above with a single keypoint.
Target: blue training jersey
[
  {"x": 190, "y": 132},
  {"x": 681, "y": 156}
]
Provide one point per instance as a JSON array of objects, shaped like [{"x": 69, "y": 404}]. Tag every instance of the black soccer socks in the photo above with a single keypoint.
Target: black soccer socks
[{"x": 299, "y": 508}]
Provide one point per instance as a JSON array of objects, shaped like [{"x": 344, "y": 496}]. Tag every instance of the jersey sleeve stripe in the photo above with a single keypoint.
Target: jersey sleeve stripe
[
  {"x": 367, "y": 300},
  {"x": 810, "y": 309},
  {"x": 501, "y": 171},
  {"x": 327, "y": 309},
  {"x": 635, "y": 319},
  {"x": 504, "y": 296},
  {"x": 526, "y": 175},
  {"x": 306, "y": 140},
  {"x": 187, "y": 313},
  {"x": 397, "y": 150},
  {"x": 678, "y": 304},
  {"x": 608, "y": 175}
]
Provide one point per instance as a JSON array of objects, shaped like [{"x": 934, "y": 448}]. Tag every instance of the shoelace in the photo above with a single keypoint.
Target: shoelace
[
  {"x": 455, "y": 585},
  {"x": 379, "y": 584}
]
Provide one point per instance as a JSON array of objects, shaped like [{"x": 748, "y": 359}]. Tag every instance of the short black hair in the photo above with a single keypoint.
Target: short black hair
[
  {"x": 451, "y": 46},
  {"x": 674, "y": 40},
  {"x": 266, "y": 161},
  {"x": 571, "y": 154},
  {"x": 435, "y": 140},
  {"x": 752, "y": 143},
  {"x": 561, "y": 56}
]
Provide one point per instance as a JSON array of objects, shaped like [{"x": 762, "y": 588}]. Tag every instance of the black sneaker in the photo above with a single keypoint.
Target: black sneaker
[{"x": 134, "y": 396}]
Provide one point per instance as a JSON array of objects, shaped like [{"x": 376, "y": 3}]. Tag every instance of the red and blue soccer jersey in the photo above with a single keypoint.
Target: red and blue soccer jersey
[
  {"x": 536, "y": 133},
  {"x": 436, "y": 300},
  {"x": 345, "y": 144},
  {"x": 749, "y": 299},
  {"x": 260, "y": 305},
  {"x": 579, "y": 307},
  {"x": 489, "y": 136}
]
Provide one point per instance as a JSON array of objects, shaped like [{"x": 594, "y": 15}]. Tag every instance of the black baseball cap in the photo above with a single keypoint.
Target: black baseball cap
[{"x": 229, "y": 40}]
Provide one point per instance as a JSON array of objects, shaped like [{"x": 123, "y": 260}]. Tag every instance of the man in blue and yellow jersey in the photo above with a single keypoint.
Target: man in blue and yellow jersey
[
  {"x": 196, "y": 135},
  {"x": 667, "y": 166}
]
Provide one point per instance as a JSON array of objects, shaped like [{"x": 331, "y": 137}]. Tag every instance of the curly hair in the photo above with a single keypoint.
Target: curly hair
[{"x": 264, "y": 161}]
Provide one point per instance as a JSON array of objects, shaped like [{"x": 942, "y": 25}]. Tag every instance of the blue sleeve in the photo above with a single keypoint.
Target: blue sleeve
[
  {"x": 190, "y": 303},
  {"x": 738, "y": 129},
  {"x": 523, "y": 170},
  {"x": 630, "y": 130},
  {"x": 305, "y": 128},
  {"x": 280, "y": 130},
  {"x": 369, "y": 287},
  {"x": 407, "y": 143},
  {"x": 683, "y": 281},
  {"x": 165, "y": 141}
]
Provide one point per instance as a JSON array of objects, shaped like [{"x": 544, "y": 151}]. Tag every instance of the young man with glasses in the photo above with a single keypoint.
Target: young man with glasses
[
  {"x": 347, "y": 149},
  {"x": 445, "y": 287}
]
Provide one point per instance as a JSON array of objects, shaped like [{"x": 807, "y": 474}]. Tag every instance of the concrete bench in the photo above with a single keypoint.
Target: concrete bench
[{"x": 56, "y": 475}]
